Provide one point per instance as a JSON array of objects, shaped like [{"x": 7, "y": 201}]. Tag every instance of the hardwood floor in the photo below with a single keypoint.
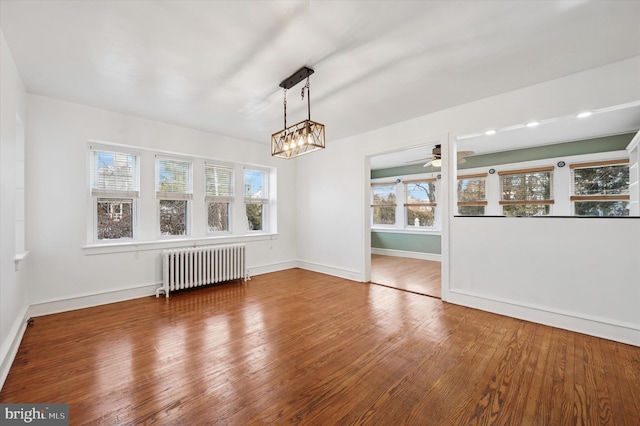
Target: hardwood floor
[
  {"x": 301, "y": 347},
  {"x": 416, "y": 275}
]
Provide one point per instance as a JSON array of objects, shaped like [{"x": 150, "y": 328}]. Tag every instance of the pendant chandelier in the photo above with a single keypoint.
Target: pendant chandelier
[{"x": 303, "y": 137}]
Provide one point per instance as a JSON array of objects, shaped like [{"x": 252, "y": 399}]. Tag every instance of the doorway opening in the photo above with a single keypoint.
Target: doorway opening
[{"x": 405, "y": 240}]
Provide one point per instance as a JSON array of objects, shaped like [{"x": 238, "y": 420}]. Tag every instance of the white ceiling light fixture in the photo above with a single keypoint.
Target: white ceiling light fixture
[{"x": 303, "y": 137}]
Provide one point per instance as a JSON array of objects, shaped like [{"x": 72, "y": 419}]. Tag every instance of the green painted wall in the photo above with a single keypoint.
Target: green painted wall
[
  {"x": 432, "y": 243},
  {"x": 406, "y": 242},
  {"x": 587, "y": 146}
]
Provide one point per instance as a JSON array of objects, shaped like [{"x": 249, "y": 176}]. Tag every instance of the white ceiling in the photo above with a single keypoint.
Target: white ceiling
[{"x": 216, "y": 65}]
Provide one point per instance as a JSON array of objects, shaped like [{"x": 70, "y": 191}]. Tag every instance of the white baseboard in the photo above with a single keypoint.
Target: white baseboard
[
  {"x": 592, "y": 326},
  {"x": 347, "y": 274},
  {"x": 11, "y": 344},
  {"x": 410, "y": 254},
  {"x": 87, "y": 300},
  {"x": 81, "y": 301},
  {"x": 274, "y": 267}
]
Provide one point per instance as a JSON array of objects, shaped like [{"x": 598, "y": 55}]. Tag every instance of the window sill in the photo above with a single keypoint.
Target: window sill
[
  {"x": 407, "y": 231},
  {"x": 136, "y": 246},
  {"x": 18, "y": 258}
]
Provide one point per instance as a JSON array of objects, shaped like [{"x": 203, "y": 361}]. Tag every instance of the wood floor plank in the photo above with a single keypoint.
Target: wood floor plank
[
  {"x": 415, "y": 275},
  {"x": 301, "y": 347}
]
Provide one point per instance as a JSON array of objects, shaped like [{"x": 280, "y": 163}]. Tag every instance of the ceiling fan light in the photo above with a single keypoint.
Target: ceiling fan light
[{"x": 437, "y": 162}]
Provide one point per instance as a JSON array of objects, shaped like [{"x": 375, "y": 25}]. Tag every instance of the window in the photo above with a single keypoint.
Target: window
[
  {"x": 174, "y": 190},
  {"x": 472, "y": 198},
  {"x": 114, "y": 188},
  {"x": 383, "y": 208},
  {"x": 219, "y": 196},
  {"x": 526, "y": 192},
  {"x": 256, "y": 199},
  {"x": 600, "y": 188},
  {"x": 420, "y": 203}
]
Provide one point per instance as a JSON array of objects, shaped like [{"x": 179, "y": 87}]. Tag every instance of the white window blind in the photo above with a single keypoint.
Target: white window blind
[
  {"x": 600, "y": 179},
  {"x": 472, "y": 194},
  {"x": 174, "y": 179},
  {"x": 527, "y": 186},
  {"x": 472, "y": 189},
  {"x": 527, "y": 192},
  {"x": 600, "y": 188},
  {"x": 218, "y": 183},
  {"x": 114, "y": 174}
]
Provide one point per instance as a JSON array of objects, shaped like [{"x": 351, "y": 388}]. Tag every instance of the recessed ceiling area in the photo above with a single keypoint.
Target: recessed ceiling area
[{"x": 613, "y": 120}]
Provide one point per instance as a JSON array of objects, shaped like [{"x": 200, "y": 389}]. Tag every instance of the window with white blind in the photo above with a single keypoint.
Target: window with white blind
[
  {"x": 600, "y": 188},
  {"x": 420, "y": 203},
  {"x": 219, "y": 196},
  {"x": 527, "y": 192},
  {"x": 114, "y": 189},
  {"x": 174, "y": 191},
  {"x": 472, "y": 196},
  {"x": 383, "y": 206},
  {"x": 256, "y": 199}
]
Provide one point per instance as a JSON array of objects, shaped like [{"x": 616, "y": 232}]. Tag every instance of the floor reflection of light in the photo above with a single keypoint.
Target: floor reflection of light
[
  {"x": 392, "y": 310},
  {"x": 114, "y": 359}
]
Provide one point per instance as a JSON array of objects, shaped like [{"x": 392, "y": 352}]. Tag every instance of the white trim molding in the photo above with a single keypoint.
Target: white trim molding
[
  {"x": 347, "y": 274},
  {"x": 410, "y": 254},
  {"x": 11, "y": 344},
  {"x": 592, "y": 326}
]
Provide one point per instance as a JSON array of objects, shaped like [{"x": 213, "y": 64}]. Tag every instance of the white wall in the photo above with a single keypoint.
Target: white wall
[
  {"x": 13, "y": 294},
  {"x": 63, "y": 273},
  {"x": 585, "y": 271},
  {"x": 337, "y": 182}
]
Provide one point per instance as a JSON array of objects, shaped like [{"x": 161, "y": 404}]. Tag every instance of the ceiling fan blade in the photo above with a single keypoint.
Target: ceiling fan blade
[
  {"x": 462, "y": 154},
  {"x": 420, "y": 160}
]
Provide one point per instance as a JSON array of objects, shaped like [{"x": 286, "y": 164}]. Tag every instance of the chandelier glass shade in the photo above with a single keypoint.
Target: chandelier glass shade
[{"x": 303, "y": 137}]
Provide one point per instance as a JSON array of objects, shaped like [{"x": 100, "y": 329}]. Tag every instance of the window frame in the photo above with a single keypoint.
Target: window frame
[
  {"x": 264, "y": 201},
  {"x": 96, "y": 194},
  {"x": 400, "y": 226},
  {"x": 478, "y": 202},
  {"x": 228, "y": 198},
  {"x": 375, "y": 205},
  {"x": 146, "y": 216},
  {"x": 596, "y": 197},
  {"x": 407, "y": 204},
  {"x": 186, "y": 195},
  {"x": 541, "y": 202}
]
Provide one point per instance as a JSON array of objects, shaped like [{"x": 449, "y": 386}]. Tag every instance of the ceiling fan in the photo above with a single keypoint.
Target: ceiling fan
[{"x": 435, "y": 159}]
